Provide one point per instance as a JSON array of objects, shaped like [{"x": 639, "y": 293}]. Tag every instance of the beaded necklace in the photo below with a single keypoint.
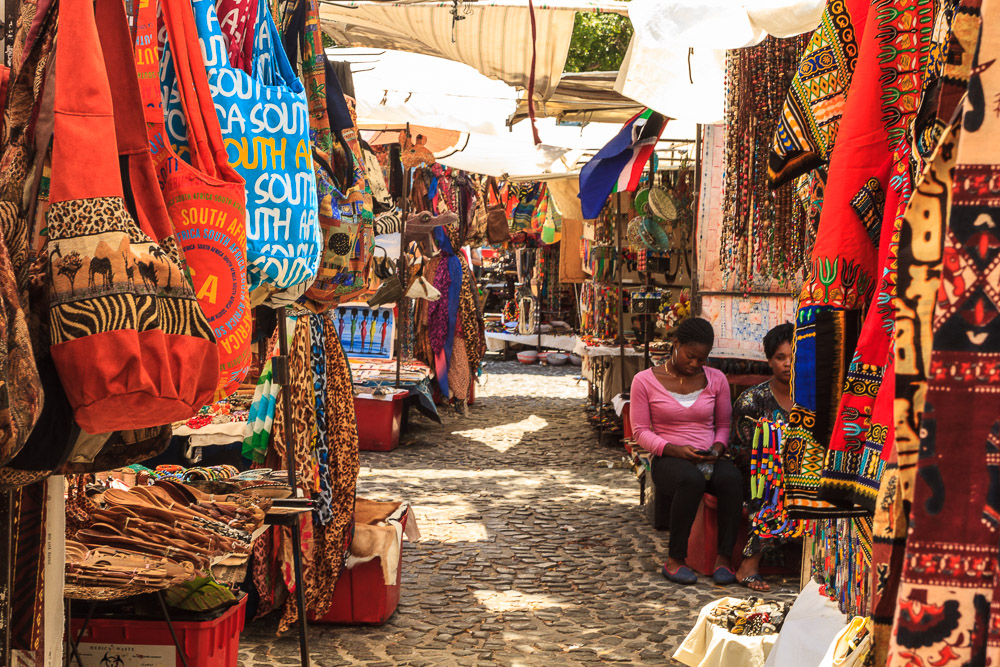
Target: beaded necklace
[
  {"x": 764, "y": 235},
  {"x": 767, "y": 483}
]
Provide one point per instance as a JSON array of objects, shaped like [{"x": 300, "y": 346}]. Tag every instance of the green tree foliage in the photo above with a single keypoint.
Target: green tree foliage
[{"x": 599, "y": 42}]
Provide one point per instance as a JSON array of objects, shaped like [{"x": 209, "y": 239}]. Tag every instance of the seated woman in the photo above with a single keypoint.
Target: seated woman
[
  {"x": 769, "y": 400},
  {"x": 681, "y": 414}
]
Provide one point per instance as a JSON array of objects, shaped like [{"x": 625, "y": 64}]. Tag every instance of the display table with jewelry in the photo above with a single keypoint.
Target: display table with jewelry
[{"x": 732, "y": 632}]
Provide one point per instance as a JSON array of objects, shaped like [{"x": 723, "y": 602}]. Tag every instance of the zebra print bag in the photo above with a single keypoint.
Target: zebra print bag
[
  {"x": 388, "y": 223},
  {"x": 130, "y": 342}
]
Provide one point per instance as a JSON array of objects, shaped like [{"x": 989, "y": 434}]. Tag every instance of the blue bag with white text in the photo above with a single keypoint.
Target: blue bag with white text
[{"x": 265, "y": 129}]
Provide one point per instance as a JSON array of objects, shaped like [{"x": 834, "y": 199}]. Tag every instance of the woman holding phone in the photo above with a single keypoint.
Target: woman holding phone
[{"x": 681, "y": 413}]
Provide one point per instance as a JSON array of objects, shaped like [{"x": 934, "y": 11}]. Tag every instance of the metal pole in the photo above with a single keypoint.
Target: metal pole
[
  {"x": 282, "y": 373},
  {"x": 6, "y": 569},
  {"x": 695, "y": 296},
  {"x": 401, "y": 268},
  {"x": 647, "y": 319},
  {"x": 621, "y": 291}
]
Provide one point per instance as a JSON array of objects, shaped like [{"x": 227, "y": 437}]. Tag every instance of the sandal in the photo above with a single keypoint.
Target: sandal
[
  {"x": 755, "y": 582},
  {"x": 683, "y": 575}
]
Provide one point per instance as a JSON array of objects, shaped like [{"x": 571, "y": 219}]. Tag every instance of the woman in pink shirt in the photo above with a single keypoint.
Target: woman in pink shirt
[{"x": 681, "y": 413}]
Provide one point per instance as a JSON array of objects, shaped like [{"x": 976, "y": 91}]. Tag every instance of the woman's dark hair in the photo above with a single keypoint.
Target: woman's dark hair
[
  {"x": 777, "y": 337},
  {"x": 695, "y": 330}
]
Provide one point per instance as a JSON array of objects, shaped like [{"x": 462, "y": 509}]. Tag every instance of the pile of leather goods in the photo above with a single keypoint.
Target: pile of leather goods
[{"x": 159, "y": 536}]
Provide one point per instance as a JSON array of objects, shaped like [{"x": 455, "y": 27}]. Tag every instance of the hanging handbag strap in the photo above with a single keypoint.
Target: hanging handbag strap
[
  {"x": 208, "y": 151},
  {"x": 142, "y": 192},
  {"x": 85, "y": 157},
  {"x": 492, "y": 183}
]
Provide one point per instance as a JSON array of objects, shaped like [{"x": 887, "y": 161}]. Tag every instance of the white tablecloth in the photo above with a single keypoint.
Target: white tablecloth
[
  {"x": 495, "y": 341},
  {"x": 709, "y": 645},
  {"x": 810, "y": 627},
  {"x": 585, "y": 350},
  {"x": 212, "y": 434}
]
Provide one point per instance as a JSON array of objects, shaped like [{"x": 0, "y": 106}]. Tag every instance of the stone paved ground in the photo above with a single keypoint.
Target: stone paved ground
[{"x": 534, "y": 551}]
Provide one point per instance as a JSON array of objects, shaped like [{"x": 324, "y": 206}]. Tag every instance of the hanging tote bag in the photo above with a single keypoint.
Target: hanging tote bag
[
  {"x": 340, "y": 231},
  {"x": 497, "y": 227},
  {"x": 205, "y": 197},
  {"x": 265, "y": 129},
  {"x": 851, "y": 645},
  {"x": 132, "y": 346}
]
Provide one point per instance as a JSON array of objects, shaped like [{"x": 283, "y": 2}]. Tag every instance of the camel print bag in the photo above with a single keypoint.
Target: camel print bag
[{"x": 130, "y": 342}]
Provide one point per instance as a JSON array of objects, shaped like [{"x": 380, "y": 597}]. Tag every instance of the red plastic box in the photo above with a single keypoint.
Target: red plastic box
[
  {"x": 379, "y": 419},
  {"x": 362, "y": 596},
  {"x": 629, "y": 436},
  {"x": 212, "y": 643}
]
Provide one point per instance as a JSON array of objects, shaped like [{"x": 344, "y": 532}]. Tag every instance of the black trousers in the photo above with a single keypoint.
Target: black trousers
[{"x": 685, "y": 484}]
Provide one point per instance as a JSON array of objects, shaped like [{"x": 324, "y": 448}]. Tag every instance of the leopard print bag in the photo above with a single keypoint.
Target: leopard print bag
[{"x": 132, "y": 346}]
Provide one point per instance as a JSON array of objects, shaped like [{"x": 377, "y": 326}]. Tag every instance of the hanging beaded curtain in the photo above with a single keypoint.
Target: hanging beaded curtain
[{"x": 765, "y": 236}]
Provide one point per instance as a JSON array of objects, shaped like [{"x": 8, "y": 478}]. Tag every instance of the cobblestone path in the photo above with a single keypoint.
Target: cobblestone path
[{"x": 533, "y": 550}]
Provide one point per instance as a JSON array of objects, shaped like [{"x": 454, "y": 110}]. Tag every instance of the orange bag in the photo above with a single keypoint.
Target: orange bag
[
  {"x": 131, "y": 344},
  {"x": 205, "y": 197}
]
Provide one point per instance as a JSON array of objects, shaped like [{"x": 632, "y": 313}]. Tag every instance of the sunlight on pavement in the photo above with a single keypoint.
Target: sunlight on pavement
[
  {"x": 504, "y": 436},
  {"x": 511, "y": 600}
]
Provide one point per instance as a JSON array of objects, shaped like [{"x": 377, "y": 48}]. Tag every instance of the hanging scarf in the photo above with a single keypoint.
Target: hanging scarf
[
  {"x": 918, "y": 285},
  {"x": 842, "y": 281},
  {"x": 864, "y": 426},
  {"x": 449, "y": 275},
  {"x": 807, "y": 129},
  {"x": 321, "y": 453}
]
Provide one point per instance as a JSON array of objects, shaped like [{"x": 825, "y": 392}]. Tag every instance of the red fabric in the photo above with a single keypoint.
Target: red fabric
[
  {"x": 861, "y": 152},
  {"x": 237, "y": 19},
  {"x": 157, "y": 390},
  {"x": 4, "y": 83}
]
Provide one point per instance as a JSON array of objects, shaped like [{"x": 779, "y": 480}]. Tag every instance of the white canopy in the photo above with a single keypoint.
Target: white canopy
[
  {"x": 395, "y": 88},
  {"x": 676, "y": 60},
  {"x": 492, "y": 37}
]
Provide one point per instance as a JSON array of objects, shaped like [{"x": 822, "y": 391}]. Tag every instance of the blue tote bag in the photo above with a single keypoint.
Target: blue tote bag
[{"x": 265, "y": 129}]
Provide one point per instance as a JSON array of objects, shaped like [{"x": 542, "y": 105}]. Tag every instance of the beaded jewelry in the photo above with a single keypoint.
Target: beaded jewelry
[{"x": 764, "y": 234}]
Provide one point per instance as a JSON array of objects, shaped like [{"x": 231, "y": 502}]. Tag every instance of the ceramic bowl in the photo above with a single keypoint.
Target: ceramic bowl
[
  {"x": 527, "y": 357},
  {"x": 557, "y": 359}
]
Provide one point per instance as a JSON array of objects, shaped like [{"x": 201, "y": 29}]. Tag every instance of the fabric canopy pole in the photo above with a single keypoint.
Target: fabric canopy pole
[
  {"x": 619, "y": 221},
  {"x": 283, "y": 376}
]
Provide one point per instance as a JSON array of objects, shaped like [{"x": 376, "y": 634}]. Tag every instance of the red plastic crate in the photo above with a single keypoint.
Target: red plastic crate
[
  {"x": 362, "y": 596},
  {"x": 379, "y": 420},
  {"x": 212, "y": 643}
]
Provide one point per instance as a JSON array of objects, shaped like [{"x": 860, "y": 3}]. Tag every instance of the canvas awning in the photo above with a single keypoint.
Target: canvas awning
[
  {"x": 438, "y": 141},
  {"x": 394, "y": 88},
  {"x": 492, "y": 37},
  {"x": 583, "y": 97},
  {"x": 676, "y": 60}
]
